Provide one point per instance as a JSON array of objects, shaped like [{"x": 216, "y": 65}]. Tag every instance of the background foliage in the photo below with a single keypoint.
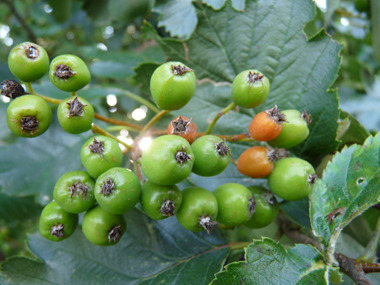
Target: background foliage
[{"x": 319, "y": 58}]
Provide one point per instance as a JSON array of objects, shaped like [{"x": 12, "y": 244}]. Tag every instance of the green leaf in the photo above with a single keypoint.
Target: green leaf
[
  {"x": 218, "y": 4},
  {"x": 20, "y": 212},
  {"x": 149, "y": 253},
  {"x": 268, "y": 262},
  {"x": 119, "y": 64},
  {"x": 298, "y": 211},
  {"x": 350, "y": 130},
  {"x": 268, "y": 36},
  {"x": 33, "y": 165},
  {"x": 143, "y": 72},
  {"x": 375, "y": 21},
  {"x": 350, "y": 185},
  {"x": 178, "y": 17}
]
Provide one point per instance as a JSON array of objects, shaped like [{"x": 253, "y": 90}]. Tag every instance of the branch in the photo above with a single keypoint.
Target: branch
[
  {"x": 29, "y": 32},
  {"x": 353, "y": 269}
]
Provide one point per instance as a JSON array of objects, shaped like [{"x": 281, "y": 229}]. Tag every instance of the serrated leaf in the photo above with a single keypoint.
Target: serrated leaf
[
  {"x": 149, "y": 253},
  {"x": 178, "y": 17},
  {"x": 268, "y": 262},
  {"x": 350, "y": 185},
  {"x": 268, "y": 36}
]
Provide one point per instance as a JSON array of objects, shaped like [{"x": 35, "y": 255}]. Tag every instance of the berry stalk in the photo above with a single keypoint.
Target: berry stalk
[{"x": 221, "y": 113}]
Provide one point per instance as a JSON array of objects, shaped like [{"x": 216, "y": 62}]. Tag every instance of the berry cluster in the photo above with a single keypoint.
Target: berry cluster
[{"x": 106, "y": 191}]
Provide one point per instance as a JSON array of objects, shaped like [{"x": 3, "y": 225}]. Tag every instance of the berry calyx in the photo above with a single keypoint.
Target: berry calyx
[
  {"x": 57, "y": 231},
  {"x": 183, "y": 127},
  {"x": 167, "y": 208},
  {"x": 12, "y": 89},
  {"x": 181, "y": 156},
  {"x": 62, "y": 71},
  {"x": 254, "y": 77},
  {"x": 107, "y": 187},
  {"x": 207, "y": 223},
  {"x": 115, "y": 234},
  {"x": 180, "y": 69},
  {"x": 29, "y": 123},
  {"x": 75, "y": 107},
  {"x": 222, "y": 148}
]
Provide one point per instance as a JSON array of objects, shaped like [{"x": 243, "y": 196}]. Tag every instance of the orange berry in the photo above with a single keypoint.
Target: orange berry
[
  {"x": 257, "y": 161},
  {"x": 267, "y": 125}
]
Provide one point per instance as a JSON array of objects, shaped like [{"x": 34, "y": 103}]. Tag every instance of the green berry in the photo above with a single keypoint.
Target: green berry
[
  {"x": 28, "y": 61},
  {"x": 172, "y": 85},
  {"x": 294, "y": 131},
  {"x": 75, "y": 115},
  {"x": 168, "y": 160},
  {"x": 69, "y": 73},
  {"x": 160, "y": 202},
  {"x": 56, "y": 224},
  {"x": 99, "y": 154},
  {"x": 236, "y": 204},
  {"x": 29, "y": 116},
  {"x": 198, "y": 210},
  {"x": 266, "y": 208},
  {"x": 292, "y": 178},
  {"x": 212, "y": 155},
  {"x": 250, "y": 88},
  {"x": 117, "y": 190},
  {"x": 74, "y": 192},
  {"x": 103, "y": 228}
]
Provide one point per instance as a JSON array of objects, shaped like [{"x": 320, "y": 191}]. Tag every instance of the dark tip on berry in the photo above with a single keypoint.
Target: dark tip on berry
[
  {"x": 222, "y": 148},
  {"x": 180, "y": 125},
  {"x": 251, "y": 206},
  {"x": 254, "y": 77},
  {"x": 167, "y": 208},
  {"x": 273, "y": 155},
  {"x": 32, "y": 52},
  {"x": 107, "y": 187},
  {"x": 276, "y": 114},
  {"x": 75, "y": 107},
  {"x": 181, "y": 156},
  {"x": 12, "y": 89},
  {"x": 57, "y": 231},
  {"x": 207, "y": 223},
  {"x": 78, "y": 186},
  {"x": 29, "y": 123},
  {"x": 311, "y": 178},
  {"x": 180, "y": 70},
  {"x": 62, "y": 71},
  {"x": 269, "y": 197},
  {"x": 114, "y": 234},
  {"x": 306, "y": 117},
  {"x": 97, "y": 147}
]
